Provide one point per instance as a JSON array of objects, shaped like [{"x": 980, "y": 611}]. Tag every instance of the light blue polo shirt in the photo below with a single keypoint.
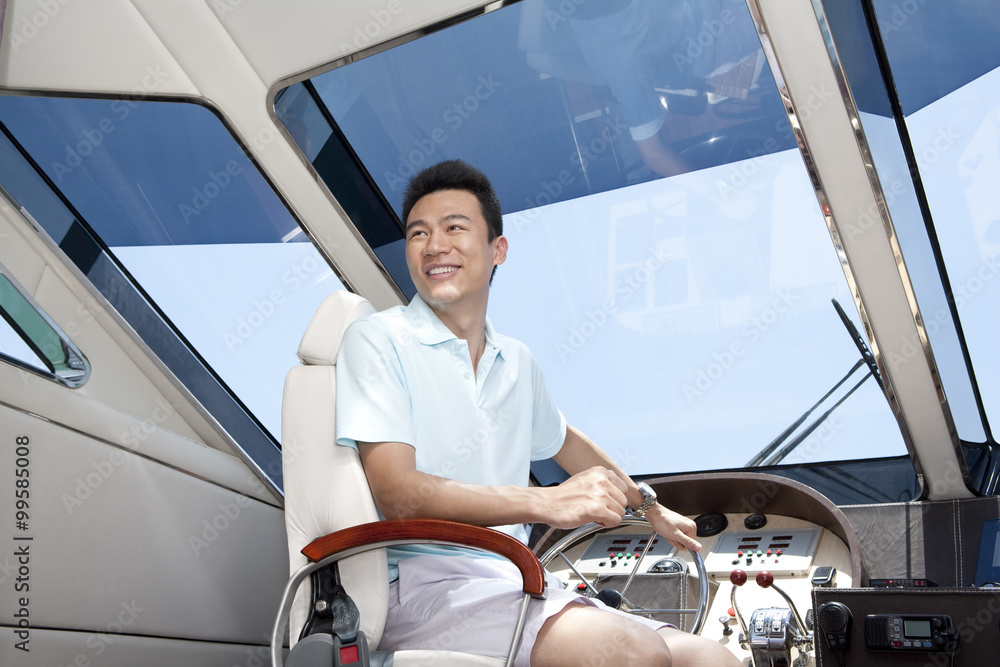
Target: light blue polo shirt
[{"x": 403, "y": 376}]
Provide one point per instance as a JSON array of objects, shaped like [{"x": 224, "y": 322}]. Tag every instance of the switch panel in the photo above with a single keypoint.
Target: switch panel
[
  {"x": 617, "y": 553},
  {"x": 780, "y": 551}
]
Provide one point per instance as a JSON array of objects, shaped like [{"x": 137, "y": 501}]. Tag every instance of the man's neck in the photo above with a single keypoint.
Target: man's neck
[{"x": 467, "y": 324}]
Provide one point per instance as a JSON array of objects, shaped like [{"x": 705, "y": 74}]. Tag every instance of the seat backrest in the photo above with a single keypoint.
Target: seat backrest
[{"x": 325, "y": 485}]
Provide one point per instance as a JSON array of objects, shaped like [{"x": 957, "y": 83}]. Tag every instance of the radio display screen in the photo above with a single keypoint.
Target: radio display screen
[{"x": 916, "y": 628}]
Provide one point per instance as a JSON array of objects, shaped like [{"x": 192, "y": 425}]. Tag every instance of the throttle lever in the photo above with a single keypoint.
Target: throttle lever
[
  {"x": 766, "y": 580},
  {"x": 738, "y": 578}
]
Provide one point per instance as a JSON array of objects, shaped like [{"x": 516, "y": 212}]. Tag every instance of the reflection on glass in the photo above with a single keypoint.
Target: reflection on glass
[
  {"x": 38, "y": 342},
  {"x": 668, "y": 264},
  {"x": 187, "y": 214},
  {"x": 945, "y": 64},
  {"x": 555, "y": 104}
]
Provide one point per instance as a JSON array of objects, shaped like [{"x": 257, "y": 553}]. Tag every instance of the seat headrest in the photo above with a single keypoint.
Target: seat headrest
[{"x": 321, "y": 341}]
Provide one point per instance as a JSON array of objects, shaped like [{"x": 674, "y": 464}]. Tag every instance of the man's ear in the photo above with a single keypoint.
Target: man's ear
[{"x": 500, "y": 253}]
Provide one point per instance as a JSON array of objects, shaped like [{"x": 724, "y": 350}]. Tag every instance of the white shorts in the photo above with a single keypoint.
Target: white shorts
[{"x": 470, "y": 605}]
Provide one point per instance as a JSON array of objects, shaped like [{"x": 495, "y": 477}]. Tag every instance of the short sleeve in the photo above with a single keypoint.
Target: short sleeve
[
  {"x": 372, "y": 399},
  {"x": 548, "y": 426}
]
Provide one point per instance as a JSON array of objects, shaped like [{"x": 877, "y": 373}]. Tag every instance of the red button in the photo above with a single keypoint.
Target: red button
[{"x": 348, "y": 654}]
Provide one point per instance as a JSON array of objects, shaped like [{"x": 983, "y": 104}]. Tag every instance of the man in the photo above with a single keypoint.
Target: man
[{"x": 447, "y": 415}]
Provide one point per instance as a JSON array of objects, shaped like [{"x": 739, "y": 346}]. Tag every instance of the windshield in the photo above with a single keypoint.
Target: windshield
[
  {"x": 934, "y": 145},
  {"x": 178, "y": 230},
  {"x": 669, "y": 266}
]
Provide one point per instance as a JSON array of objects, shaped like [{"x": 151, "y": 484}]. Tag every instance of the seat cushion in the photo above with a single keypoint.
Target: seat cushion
[{"x": 321, "y": 340}]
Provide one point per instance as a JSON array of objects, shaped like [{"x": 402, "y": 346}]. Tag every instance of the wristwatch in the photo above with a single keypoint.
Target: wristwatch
[{"x": 648, "y": 500}]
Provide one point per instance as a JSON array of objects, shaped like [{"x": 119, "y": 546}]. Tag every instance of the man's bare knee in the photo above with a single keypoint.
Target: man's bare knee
[{"x": 586, "y": 636}]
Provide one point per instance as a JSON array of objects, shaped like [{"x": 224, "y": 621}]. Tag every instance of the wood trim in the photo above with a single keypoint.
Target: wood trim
[{"x": 418, "y": 530}]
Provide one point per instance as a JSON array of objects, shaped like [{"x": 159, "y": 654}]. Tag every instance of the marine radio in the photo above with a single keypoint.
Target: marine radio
[{"x": 911, "y": 632}]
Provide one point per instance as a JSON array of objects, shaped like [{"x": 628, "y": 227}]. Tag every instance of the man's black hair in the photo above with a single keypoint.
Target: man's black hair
[{"x": 456, "y": 175}]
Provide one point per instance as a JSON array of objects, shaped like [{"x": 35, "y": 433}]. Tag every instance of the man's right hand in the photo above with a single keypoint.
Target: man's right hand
[{"x": 594, "y": 495}]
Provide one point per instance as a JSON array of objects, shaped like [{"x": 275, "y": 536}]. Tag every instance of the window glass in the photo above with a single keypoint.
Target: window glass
[
  {"x": 169, "y": 197},
  {"x": 924, "y": 79},
  {"x": 945, "y": 69},
  {"x": 27, "y": 335},
  {"x": 668, "y": 263},
  {"x": 955, "y": 139}
]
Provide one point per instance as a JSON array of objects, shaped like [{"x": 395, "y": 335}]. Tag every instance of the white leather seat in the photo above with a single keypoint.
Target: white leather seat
[{"x": 326, "y": 490}]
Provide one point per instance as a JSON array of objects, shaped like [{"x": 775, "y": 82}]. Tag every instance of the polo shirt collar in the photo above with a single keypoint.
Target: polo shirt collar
[{"x": 430, "y": 330}]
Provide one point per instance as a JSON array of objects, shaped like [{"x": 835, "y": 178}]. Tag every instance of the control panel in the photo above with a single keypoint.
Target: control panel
[
  {"x": 913, "y": 632},
  {"x": 783, "y": 551},
  {"x": 610, "y": 553}
]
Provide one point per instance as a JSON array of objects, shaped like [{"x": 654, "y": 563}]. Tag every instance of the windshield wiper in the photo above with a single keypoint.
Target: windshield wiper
[{"x": 778, "y": 449}]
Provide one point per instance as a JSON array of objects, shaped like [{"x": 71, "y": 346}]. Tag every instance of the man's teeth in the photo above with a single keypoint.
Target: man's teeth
[{"x": 442, "y": 269}]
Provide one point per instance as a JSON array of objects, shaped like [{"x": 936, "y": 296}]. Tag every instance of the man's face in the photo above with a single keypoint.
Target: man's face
[{"x": 447, "y": 249}]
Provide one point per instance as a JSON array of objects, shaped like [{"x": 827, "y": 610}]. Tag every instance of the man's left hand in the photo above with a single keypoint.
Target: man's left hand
[{"x": 679, "y": 530}]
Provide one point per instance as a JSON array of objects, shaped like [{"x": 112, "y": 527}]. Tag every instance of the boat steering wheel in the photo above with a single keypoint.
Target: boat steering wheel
[{"x": 616, "y": 598}]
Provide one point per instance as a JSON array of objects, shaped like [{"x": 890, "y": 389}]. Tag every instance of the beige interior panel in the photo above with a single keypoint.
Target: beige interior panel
[
  {"x": 55, "y": 647},
  {"x": 109, "y": 528},
  {"x": 283, "y": 39},
  {"x": 86, "y": 46}
]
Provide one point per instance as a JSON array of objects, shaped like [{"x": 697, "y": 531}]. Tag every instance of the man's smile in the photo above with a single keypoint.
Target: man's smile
[{"x": 442, "y": 271}]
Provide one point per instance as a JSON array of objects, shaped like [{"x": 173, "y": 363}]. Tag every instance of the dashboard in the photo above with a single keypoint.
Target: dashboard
[
  {"x": 761, "y": 568},
  {"x": 659, "y": 577}
]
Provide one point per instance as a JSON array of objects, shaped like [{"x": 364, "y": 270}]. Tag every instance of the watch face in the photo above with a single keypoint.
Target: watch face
[{"x": 648, "y": 495}]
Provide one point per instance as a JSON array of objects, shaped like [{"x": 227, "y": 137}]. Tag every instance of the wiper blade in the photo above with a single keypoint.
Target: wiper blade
[
  {"x": 774, "y": 452},
  {"x": 863, "y": 348},
  {"x": 763, "y": 454},
  {"x": 787, "y": 449}
]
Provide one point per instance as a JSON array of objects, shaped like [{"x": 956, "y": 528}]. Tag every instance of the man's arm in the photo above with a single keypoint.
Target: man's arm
[
  {"x": 580, "y": 453},
  {"x": 403, "y": 492}
]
